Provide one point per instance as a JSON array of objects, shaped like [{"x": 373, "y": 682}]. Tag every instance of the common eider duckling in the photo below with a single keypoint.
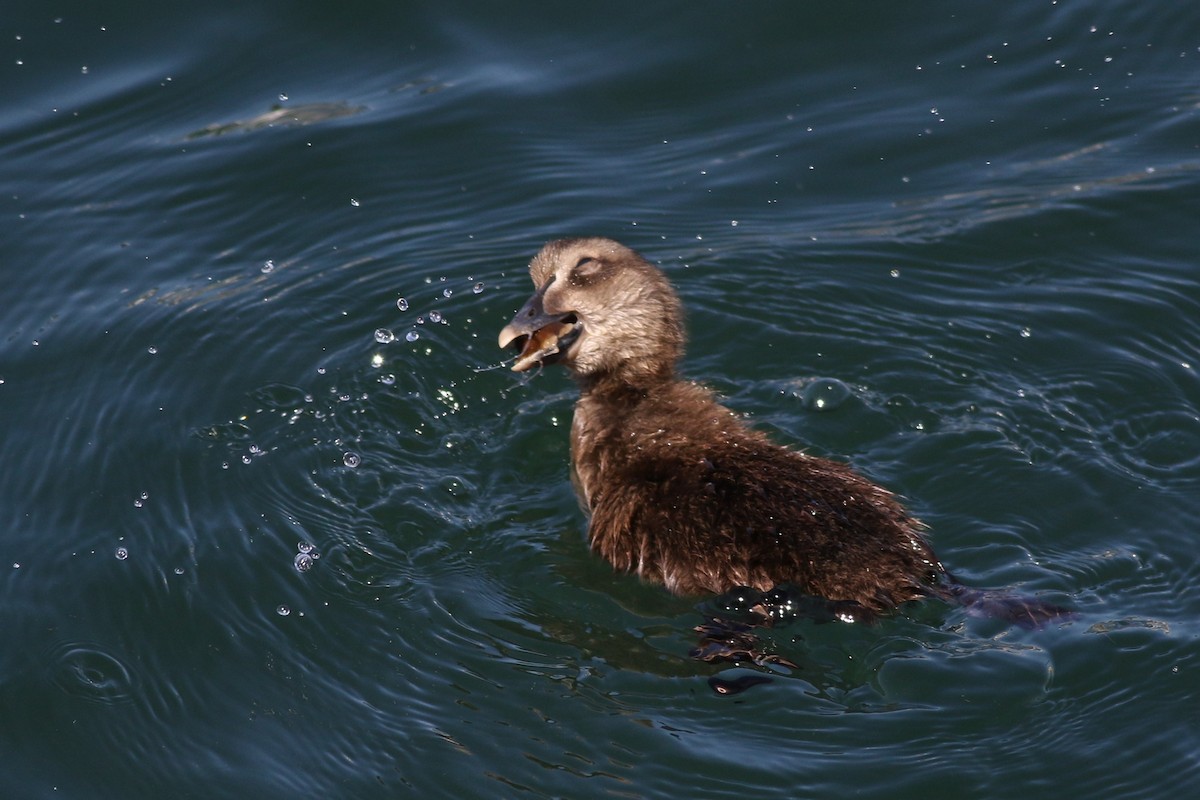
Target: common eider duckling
[{"x": 678, "y": 489}]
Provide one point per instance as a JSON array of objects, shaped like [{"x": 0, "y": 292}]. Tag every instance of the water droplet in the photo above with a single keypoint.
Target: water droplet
[
  {"x": 435, "y": 316},
  {"x": 179, "y": 570},
  {"x": 377, "y": 360},
  {"x": 477, "y": 288},
  {"x": 412, "y": 336},
  {"x": 895, "y": 273},
  {"x": 122, "y": 554},
  {"x": 83, "y": 70},
  {"x": 402, "y": 304},
  {"x": 354, "y": 202},
  {"x": 152, "y": 350},
  {"x": 305, "y": 547},
  {"x": 384, "y": 336},
  {"x": 388, "y": 379},
  {"x": 351, "y": 459},
  {"x": 283, "y": 611},
  {"x": 267, "y": 266},
  {"x": 447, "y": 292},
  {"x": 1026, "y": 333},
  {"x": 303, "y": 562},
  {"x": 282, "y": 97}
]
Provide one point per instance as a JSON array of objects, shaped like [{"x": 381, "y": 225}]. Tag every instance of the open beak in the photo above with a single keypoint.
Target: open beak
[{"x": 539, "y": 338}]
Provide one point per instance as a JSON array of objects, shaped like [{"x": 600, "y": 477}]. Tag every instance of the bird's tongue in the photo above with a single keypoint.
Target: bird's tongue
[{"x": 541, "y": 344}]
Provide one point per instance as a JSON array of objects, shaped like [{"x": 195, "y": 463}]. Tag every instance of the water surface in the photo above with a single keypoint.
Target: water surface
[{"x": 268, "y": 534}]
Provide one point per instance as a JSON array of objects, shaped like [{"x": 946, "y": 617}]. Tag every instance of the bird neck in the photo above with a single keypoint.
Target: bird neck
[{"x": 625, "y": 384}]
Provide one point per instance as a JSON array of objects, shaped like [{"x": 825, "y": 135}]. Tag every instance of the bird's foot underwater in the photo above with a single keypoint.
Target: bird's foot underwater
[
  {"x": 733, "y": 641},
  {"x": 730, "y": 632}
]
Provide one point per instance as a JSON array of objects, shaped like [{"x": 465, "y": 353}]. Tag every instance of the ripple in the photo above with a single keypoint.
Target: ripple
[
  {"x": 86, "y": 671},
  {"x": 822, "y": 394}
]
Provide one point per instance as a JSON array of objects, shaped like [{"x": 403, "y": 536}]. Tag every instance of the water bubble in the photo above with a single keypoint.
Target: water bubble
[
  {"x": 179, "y": 570},
  {"x": 282, "y": 97},
  {"x": 122, "y": 554},
  {"x": 420, "y": 320},
  {"x": 387, "y": 379},
  {"x": 283, "y": 610},
  {"x": 141, "y": 500},
  {"x": 824, "y": 394},
  {"x": 477, "y": 288},
  {"x": 152, "y": 350},
  {"x": 447, "y": 291},
  {"x": 384, "y": 336},
  {"x": 412, "y": 336},
  {"x": 267, "y": 266},
  {"x": 402, "y": 304},
  {"x": 1026, "y": 333},
  {"x": 377, "y": 360},
  {"x": 303, "y": 562},
  {"x": 435, "y": 316},
  {"x": 305, "y": 547},
  {"x": 354, "y": 202},
  {"x": 351, "y": 459}
]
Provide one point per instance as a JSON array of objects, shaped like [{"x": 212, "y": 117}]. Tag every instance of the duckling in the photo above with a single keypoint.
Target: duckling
[{"x": 679, "y": 490}]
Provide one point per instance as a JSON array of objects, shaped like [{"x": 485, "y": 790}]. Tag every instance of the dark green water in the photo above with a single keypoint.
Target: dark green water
[{"x": 981, "y": 218}]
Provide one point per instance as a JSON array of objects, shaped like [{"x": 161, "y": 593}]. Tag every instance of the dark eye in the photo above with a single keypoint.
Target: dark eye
[{"x": 587, "y": 269}]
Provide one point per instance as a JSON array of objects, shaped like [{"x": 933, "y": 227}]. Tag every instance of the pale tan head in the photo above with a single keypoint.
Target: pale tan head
[{"x": 601, "y": 310}]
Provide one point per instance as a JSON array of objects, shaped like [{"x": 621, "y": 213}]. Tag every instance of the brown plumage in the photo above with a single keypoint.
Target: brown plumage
[{"x": 678, "y": 489}]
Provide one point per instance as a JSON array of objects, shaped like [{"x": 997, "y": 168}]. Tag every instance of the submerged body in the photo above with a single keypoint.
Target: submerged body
[{"x": 678, "y": 489}]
